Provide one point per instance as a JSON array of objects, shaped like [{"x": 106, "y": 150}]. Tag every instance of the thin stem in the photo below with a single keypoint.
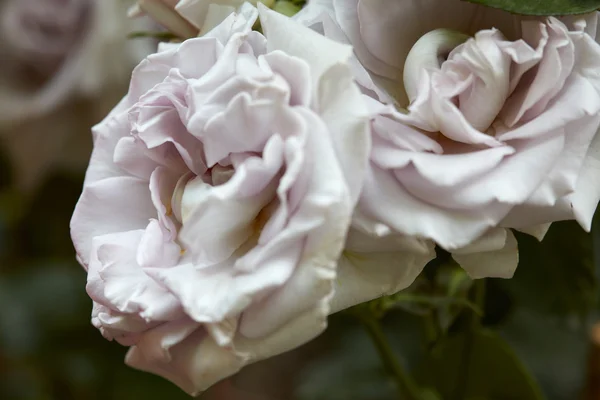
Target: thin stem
[
  {"x": 407, "y": 388},
  {"x": 152, "y": 34},
  {"x": 479, "y": 300},
  {"x": 462, "y": 381}
]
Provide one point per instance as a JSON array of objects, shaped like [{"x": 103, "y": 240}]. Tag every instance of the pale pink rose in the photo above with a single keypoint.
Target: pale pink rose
[
  {"x": 483, "y": 121},
  {"x": 189, "y": 18},
  {"x": 53, "y": 50},
  {"x": 43, "y": 32},
  {"x": 218, "y": 200}
]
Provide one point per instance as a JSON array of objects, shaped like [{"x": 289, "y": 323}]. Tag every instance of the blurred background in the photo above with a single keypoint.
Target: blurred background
[{"x": 63, "y": 65}]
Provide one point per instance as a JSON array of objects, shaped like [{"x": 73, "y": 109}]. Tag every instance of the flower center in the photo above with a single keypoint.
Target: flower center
[{"x": 429, "y": 51}]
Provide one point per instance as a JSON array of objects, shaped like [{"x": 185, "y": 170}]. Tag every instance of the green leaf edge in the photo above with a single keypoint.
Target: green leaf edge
[{"x": 523, "y": 9}]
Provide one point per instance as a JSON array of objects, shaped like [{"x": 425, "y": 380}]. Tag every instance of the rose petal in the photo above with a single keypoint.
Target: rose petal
[
  {"x": 371, "y": 267},
  {"x": 94, "y": 214},
  {"x": 296, "y": 40},
  {"x": 491, "y": 264}
]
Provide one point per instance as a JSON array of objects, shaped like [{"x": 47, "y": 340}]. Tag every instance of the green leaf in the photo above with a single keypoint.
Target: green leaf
[
  {"x": 546, "y": 345},
  {"x": 556, "y": 276},
  {"x": 542, "y": 7},
  {"x": 478, "y": 365}
]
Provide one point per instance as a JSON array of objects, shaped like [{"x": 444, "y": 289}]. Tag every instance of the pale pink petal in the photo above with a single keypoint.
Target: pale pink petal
[
  {"x": 228, "y": 209},
  {"x": 132, "y": 156},
  {"x": 346, "y": 15},
  {"x": 157, "y": 249},
  {"x": 208, "y": 294},
  {"x": 193, "y": 360},
  {"x": 106, "y": 136},
  {"x": 371, "y": 267},
  {"x": 562, "y": 180},
  {"x": 537, "y": 231},
  {"x": 183, "y": 353},
  {"x": 584, "y": 200},
  {"x": 385, "y": 200},
  {"x": 500, "y": 263},
  {"x": 555, "y": 66},
  {"x": 505, "y": 184},
  {"x": 435, "y": 111},
  {"x": 322, "y": 218},
  {"x": 442, "y": 170},
  {"x": 240, "y": 21},
  {"x": 124, "y": 284},
  {"x": 95, "y": 214},
  {"x": 341, "y": 110},
  {"x": 254, "y": 116},
  {"x": 389, "y": 28},
  {"x": 126, "y": 329},
  {"x": 320, "y": 53},
  {"x": 296, "y": 73}
]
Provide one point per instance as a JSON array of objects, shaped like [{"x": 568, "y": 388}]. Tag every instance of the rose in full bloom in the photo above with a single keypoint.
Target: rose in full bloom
[
  {"x": 482, "y": 120},
  {"x": 219, "y": 197},
  {"x": 53, "y": 50},
  {"x": 188, "y": 18}
]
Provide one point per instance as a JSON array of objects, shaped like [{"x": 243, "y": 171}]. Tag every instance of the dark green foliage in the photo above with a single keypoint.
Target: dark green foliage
[
  {"x": 542, "y": 7},
  {"x": 478, "y": 365},
  {"x": 558, "y": 275}
]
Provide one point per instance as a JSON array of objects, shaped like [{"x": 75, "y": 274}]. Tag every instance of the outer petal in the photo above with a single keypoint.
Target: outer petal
[
  {"x": 192, "y": 359},
  {"x": 562, "y": 179},
  {"x": 500, "y": 263},
  {"x": 123, "y": 328},
  {"x": 183, "y": 353},
  {"x": 343, "y": 110},
  {"x": 106, "y": 136},
  {"x": 537, "y": 231},
  {"x": 587, "y": 192},
  {"x": 125, "y": 286},
  {"x": 387, "y": 201},
  {"x": 94, "y": 214},
  {"x": 579, "y": 181},
  {"x": 506, "y": 183},
  {"x": 371, "y": 267}
]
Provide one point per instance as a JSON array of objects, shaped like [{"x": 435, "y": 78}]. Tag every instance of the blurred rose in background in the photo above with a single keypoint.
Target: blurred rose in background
[{"x": 64, "y": 65}]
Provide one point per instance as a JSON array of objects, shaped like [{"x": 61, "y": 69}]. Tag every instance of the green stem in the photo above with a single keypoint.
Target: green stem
[
  {"x": 462, "y": 381},
  {"x": 479, "y": 300},
  {"x": 407, "y": 388}
]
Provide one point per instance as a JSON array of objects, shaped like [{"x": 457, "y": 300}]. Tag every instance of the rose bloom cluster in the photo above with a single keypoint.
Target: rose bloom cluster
[{"x": 250, "y": 184}]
